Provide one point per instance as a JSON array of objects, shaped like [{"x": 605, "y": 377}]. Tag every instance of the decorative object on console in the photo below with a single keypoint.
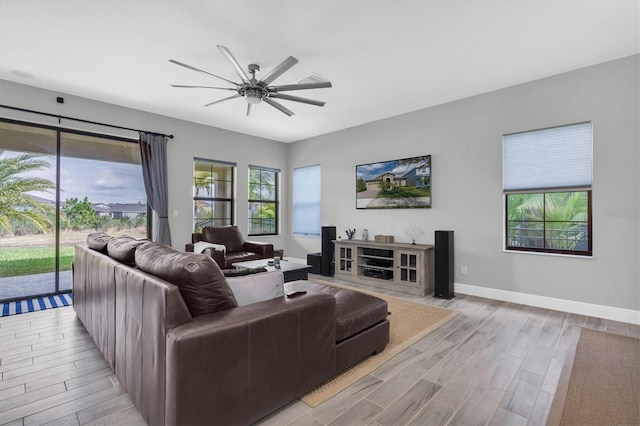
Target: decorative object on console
[
  {"x": 412, "y": 232},
  {"x": 404, "y": 183},
  {"x": 255, "y": 91},
  {"x": 383, "y": 238},
  {"x": 350, "y": 233},
  {"x": 365, "y": 235}
]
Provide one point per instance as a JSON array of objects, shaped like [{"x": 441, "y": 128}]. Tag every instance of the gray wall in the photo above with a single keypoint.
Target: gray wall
[
  {"x": 465, "y": 140},
  {"x": 191, "y": 140}
]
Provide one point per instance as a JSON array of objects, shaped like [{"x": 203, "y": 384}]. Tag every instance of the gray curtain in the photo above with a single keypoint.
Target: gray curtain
[{"x": 153, "y": 151}]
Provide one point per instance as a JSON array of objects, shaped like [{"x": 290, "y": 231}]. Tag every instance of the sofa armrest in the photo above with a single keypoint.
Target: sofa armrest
[
  {"x": 235, "y": 366},
  {"x": 188, "y": 248},
  {"x": 216, "y": 255},
  {"x": 264, "y": 249},
  {"x": 195, "y": 237}
]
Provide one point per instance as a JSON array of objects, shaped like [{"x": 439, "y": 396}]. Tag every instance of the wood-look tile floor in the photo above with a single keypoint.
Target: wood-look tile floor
[{"x": 495, "y": 363}]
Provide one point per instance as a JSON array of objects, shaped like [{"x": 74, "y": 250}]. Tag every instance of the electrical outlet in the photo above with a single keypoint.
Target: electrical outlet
[
  {"x": 463, "y": 269},
  {"x": 175, "y": 213}
]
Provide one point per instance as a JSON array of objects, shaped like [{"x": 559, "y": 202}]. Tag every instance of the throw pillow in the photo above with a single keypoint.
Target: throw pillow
[
  {"x": 124, "y": 248},
  {"x": 98, "y": 241},
  {"x": 257, "y": 287},
  {"x": 199, "y": 279},
  {"x": 200, "y": 247}
]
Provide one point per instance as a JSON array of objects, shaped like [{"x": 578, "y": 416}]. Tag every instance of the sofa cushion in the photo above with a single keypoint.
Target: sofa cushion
[
  {"x": 257, "y": 288},
  {"x": 230, "y": 236},
  {"x": 241, "y": 256},
  {"x": 98, "y": 241},
  {"x": 124, "y": 248},
  {"x": 200, "y": 280},
  {"x": 355, "y": 311}
]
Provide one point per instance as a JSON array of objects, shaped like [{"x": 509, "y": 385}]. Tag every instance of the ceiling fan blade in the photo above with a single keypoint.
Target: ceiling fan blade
[
  {"x": 181, "y": 86},
  {"x": 301, "y": 86},
  {"x": 250, "y": 109},
  {"x": 202, "y": 71},
  {"x": 222, "y": 100},
  {"x": 234, "y": 63},
  {"x": 278, "y": 106},
  {"x": 278, "y": 71},
  {"x": 297, "y": 99}
]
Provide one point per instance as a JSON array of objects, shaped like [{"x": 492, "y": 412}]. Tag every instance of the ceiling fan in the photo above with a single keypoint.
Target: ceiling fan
[{"x": 255, "y": 91}]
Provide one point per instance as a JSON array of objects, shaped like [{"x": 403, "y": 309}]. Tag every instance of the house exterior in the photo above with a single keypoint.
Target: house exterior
[
  {"x": 395, "y": 181},
  {"x": 419, "y": 176},
  {"x": 101, "y": 209},
  {"x": 120, "y": 210},
  {"x": 130, "y": 210}
]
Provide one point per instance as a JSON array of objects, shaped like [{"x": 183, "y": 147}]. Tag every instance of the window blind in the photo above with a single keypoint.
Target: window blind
[
  {"x": 306, "y": 200},
  {"x": 558, "y": 157}
]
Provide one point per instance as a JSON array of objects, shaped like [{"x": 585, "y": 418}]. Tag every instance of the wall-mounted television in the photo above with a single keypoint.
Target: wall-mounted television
[{"x": 394, "y": 184}]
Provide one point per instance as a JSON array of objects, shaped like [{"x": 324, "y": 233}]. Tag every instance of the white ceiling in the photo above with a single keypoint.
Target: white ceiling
[{"x": 384, "y": 58}]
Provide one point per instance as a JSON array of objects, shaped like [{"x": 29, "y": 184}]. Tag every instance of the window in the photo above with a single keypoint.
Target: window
[
  {"x": 212, "y": 193},
  {"x": 263, "y": 201},
  {"x": 306, "y": 200},
  {"x": 547, "y": 176},
  {"x": 56, "y": 187}
]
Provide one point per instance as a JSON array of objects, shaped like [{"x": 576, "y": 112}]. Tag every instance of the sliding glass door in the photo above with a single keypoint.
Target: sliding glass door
[
  {"x": 27, "y": 211},
  {"x": 83, "y": 183}
]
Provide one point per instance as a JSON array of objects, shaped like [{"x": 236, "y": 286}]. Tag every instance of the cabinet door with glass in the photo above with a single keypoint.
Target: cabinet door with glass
[
  {"x": 408, "y": 268},
  {"x": 345, "y": 259}
]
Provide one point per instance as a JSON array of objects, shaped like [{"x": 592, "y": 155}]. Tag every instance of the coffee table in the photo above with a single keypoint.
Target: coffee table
[{"x": 292, "y": 271}]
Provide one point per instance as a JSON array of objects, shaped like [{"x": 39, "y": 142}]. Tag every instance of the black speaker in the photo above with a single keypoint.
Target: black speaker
[
  {"x": 315, "y": 260},
  {"x": 328, "y": 235},
  {"x": 444, "y": 265}
]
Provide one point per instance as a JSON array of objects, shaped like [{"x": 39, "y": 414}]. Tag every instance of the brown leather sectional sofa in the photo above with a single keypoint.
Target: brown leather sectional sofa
[{"x": 168, "y": 324}]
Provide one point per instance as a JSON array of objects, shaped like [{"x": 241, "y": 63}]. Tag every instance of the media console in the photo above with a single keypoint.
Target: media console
[{"x": 393, "y": 266}]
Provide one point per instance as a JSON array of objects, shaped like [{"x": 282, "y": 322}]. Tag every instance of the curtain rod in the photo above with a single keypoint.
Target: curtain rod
[{"x": 82, "y": 121}]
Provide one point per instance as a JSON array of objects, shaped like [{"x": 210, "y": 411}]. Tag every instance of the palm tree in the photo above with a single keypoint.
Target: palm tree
[
  {"x": 202, "y": 181},
  {"x": 15, "y": 204},
  {"x": 564, "y": 213}
]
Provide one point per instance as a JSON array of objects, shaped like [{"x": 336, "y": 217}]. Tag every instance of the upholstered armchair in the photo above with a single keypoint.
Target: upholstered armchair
[{"x": 226, "y": 246}]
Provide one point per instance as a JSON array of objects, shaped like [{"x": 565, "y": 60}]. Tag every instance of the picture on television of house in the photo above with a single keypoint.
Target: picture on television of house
[{"x": 395, "y": 184}]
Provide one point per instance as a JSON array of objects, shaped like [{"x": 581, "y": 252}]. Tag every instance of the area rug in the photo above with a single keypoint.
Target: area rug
[
  {"x": 36, "y": 304},
  {"x": 600, "y": 383},
  {"x": 408, "y": 323}
]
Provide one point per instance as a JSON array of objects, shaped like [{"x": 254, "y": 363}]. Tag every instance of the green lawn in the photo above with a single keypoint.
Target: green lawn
[
  {"x": 16, "y": 261},
  {"x": 405, "y": 191}
]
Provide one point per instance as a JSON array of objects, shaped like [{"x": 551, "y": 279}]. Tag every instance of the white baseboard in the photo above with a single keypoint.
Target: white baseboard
[{"x": 590, "y": 309}]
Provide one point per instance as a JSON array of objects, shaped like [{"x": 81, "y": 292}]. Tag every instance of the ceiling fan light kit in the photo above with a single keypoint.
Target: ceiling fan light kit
[{"x": 255, "y": 91}]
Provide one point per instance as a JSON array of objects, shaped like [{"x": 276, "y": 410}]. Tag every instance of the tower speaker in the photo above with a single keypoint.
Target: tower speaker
[
  {"x": 444, "y": 266},
  {"x": 326, "y": 263}
]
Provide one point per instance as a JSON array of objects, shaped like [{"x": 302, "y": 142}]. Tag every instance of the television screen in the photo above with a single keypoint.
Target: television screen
[{"x": 395, "y": 184}]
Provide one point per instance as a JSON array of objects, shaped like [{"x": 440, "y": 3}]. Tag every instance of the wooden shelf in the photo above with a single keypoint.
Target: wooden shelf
[{"x": 410, "y": 266}]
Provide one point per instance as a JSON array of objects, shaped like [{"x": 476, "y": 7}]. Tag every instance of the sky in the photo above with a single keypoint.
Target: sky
[
  {"x": 370, "y": 171},
  {"x": 99, "y": 181}
]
